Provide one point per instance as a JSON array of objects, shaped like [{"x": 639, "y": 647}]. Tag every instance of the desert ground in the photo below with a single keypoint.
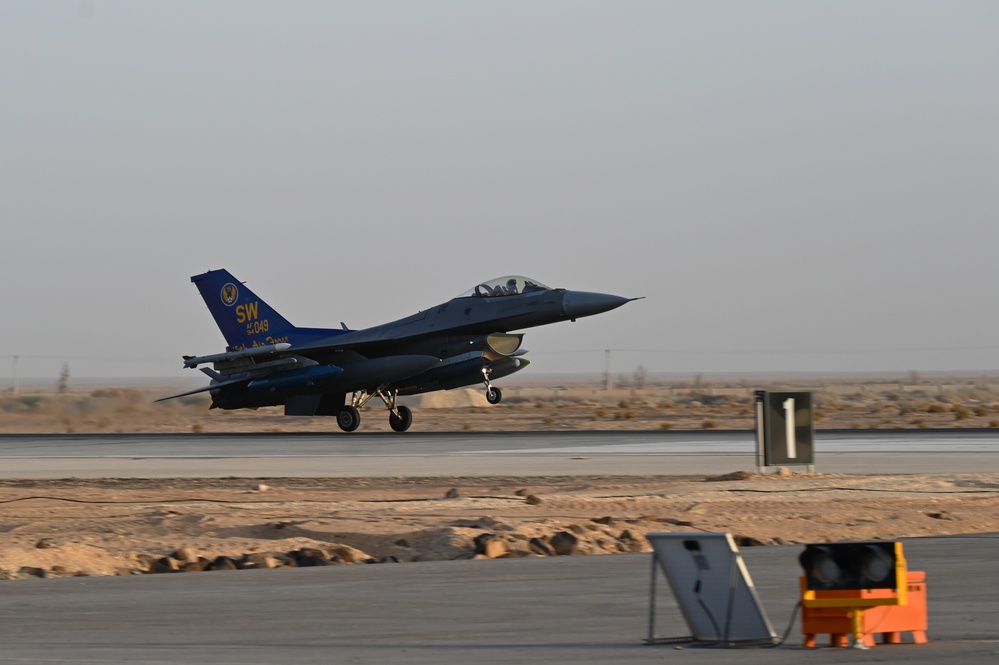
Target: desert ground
[
  {"x": 138, "y": 526},
  {"x": 546, "y": 403}
]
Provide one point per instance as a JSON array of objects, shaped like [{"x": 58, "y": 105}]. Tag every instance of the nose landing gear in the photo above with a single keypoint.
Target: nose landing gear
[{"x": 493, "y": 394}]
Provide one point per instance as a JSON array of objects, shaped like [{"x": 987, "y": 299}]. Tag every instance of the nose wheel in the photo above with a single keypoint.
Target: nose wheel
[{"x": 493, "y": 394}]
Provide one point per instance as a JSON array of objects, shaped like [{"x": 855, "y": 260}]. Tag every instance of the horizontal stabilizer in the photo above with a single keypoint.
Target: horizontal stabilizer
[
  {"x": 211, "y": 386},
  {"x": 189, "y": 392}
]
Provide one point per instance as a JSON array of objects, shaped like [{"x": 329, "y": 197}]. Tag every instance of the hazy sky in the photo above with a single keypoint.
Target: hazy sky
[{"x": 794, "y": 186}]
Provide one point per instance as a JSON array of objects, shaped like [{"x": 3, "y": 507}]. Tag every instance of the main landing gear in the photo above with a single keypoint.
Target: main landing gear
[
  {"x": 349, "y": 417},
  {"x": 401, "y": 418}
]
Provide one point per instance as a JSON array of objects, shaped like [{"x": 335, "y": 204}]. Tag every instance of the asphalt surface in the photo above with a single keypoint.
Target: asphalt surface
[
  {"x": 477, "y": 454},
  {"x": 559, "y": 610}
]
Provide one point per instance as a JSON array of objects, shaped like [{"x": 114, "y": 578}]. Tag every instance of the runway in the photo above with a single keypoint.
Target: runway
[
  {"x": 479, "y": 454},
  {"x": 552, "y": 610}
]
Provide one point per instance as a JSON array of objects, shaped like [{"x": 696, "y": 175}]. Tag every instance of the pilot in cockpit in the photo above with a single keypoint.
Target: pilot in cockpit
[
  {"x": 530, "y": 287},
  {"x": 511, "y": 286}
]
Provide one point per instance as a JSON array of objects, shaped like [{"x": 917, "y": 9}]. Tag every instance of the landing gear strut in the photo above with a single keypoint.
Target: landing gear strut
[
  {"x": 400, "y": 417},
  {"x": 493, "y": 394},
  {"x": 402, "y": 421}
]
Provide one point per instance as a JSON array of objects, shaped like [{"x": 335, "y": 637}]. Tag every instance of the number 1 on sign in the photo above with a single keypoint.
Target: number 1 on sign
[{"x": 792, "y": 446}]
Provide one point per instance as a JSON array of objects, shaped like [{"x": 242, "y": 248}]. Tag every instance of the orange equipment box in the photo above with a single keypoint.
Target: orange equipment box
[{"x": 887, "y": 620}]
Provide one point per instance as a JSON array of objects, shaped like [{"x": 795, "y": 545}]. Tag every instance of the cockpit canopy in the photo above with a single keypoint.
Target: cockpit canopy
[{"x": 505, "y": 286}]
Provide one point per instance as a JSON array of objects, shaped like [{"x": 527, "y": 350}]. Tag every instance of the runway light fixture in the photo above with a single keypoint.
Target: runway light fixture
[{"x": 844, "y": 566}]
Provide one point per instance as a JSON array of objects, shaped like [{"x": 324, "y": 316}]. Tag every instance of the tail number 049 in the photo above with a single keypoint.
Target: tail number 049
[{"x": 257, "y": 327}]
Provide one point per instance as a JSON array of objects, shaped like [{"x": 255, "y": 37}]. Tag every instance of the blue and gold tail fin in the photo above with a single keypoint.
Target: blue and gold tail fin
[{"x": 245, "y": 320}]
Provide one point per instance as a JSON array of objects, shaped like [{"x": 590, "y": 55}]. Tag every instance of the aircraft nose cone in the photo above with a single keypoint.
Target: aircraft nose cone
[{"x": 577, "y": 304}]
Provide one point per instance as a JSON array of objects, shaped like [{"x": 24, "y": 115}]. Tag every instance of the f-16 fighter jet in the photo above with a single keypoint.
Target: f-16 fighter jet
[{"x": 312, "y": 371}]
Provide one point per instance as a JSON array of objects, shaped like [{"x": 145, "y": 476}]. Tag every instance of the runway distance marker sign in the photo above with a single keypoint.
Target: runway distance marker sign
[{"x": 784, "y": 428}]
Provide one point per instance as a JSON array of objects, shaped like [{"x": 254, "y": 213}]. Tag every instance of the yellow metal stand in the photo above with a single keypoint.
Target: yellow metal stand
[{"x": 864, "y": 613}]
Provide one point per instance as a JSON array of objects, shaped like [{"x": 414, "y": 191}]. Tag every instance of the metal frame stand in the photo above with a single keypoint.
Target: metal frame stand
[{"x": 724, "y": 642}]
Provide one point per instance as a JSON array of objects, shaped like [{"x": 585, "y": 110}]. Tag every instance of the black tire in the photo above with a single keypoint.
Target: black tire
[
  {"x": 401, "y": 422},
  {"x": 348, "y": 418},
  {"x": 494, "y": 395}
]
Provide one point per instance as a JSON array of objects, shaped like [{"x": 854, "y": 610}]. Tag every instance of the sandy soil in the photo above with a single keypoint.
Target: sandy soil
[{"x": 115, "y": 527}]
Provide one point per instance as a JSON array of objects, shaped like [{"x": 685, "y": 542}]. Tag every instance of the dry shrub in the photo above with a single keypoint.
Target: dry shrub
[
  {"x": 126, "y": 395},
  {"x": 24, "y": 403}
]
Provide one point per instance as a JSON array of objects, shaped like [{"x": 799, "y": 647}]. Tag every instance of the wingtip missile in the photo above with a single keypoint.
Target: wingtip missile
[{"x": 194, "y": 361}]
